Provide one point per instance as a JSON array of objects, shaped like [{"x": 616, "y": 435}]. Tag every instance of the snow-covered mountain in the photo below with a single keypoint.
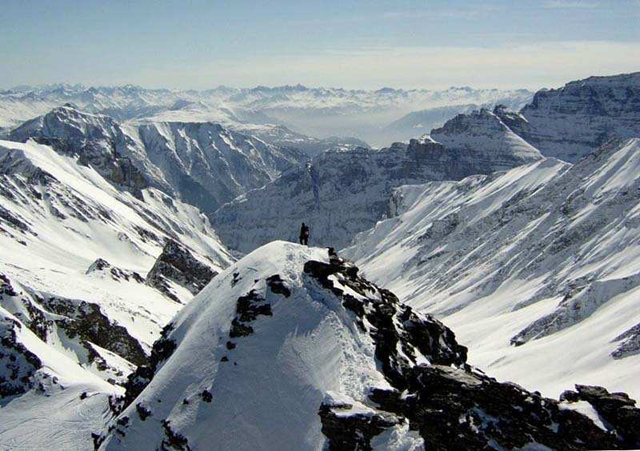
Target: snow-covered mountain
[
  {"x": 78, "y": 312},
  {"x": 291, "y": 349},
  {"x": 202, "y": 163},
  {"x": 537, "y": 261},
  {"x": 569, "y": 122},
  {"x": 106, "y": 198},
  {"x": 341, "y": 193},
  {"x": 423, "y": 121},
  {"x": 418, "y": 123},
  {"x": 362, "y": 114},
  {"x": 277, "y": 111},
  {"x": 486, "y": 141}
]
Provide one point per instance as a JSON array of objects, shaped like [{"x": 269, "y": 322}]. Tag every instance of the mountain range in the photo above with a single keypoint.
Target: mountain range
[
  {"x": 153, "y": 296},
  {"x": 274, "y": 114}
]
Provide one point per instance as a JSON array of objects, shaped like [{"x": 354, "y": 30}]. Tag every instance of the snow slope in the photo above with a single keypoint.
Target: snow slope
[
  {"x": 51, "y": 414},
  {"x": 306, "y": 348},
  {"x": 75, "y": 253},
  {"x": 534, "y": 268}
]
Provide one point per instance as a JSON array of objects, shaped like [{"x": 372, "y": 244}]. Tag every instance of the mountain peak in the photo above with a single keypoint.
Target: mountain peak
[{"x": 290, "y": 348}]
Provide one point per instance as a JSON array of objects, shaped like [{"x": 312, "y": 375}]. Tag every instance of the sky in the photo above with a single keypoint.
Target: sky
[{"x": 200, "y": 44}]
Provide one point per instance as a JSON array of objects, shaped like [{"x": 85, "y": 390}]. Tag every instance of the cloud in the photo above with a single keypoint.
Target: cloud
[
  {"x": 535, "y": 65},
  {"x": 571, "y": 4},
  {"x": 472, "y": 12}
]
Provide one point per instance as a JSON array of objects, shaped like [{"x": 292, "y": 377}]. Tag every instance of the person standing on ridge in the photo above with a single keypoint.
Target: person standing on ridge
[{"x": 304, "y": 234}]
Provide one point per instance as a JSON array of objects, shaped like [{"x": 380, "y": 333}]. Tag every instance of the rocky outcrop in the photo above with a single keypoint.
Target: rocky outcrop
[
  {"x": 401, "y": 336},
  {"x": 140, "y": 378},
  {"x": 102, "y": 267},
  {"x": 616, "y": 409},
  {"x": 451, "y": 404},
  {"x": 17, "y": 363},
  {"x": 176, "y": 264},
  {"x": 570, "y": 122},
  {"x": 629, "y": 343}
]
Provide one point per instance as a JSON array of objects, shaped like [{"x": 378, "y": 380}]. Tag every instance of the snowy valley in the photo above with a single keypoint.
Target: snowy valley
[{"x": 152, "y": 295}]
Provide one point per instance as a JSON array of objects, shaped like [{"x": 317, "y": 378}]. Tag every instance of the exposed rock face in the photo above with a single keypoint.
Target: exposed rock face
[
  {"x": 17, "y": 363},
  {"x": 341, "y": 193},
  {"x": 629, "y": 343},
  {"x": 428, "y": 395},
  {"x": 178, "y": 265},
  {"x": 569, "y": 122},
  {"x": 617, "y": 409},
  {"x": 448, "y": 402},
  {"x": 479, "y": 143},
  {"x": 94, "y": 139},
  {"x": 140, "y": 378},
  {"x": 204, "y": 164}
]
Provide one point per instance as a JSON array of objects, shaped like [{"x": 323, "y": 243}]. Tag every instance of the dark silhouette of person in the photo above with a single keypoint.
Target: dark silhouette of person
[{"x": 304, "y": 234}]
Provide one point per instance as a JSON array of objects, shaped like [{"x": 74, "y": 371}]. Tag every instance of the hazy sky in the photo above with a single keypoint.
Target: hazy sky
[{"x": 354, "y": 44}]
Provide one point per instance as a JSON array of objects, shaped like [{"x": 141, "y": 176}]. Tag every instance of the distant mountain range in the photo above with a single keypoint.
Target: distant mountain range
[{"x": 278, "y": 111}]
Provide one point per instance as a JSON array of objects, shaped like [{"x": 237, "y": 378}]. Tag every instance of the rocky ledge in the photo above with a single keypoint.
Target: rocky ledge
[{"x": 176, "y": 264}]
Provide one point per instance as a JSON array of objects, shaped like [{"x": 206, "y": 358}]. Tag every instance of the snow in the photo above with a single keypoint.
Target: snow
[
  {"x": 307, "y": 352},
  {"x": 54, "y": 417},
  {"x": 73, "y": 217},
  {"x": 544, "y": 255},
  {"x": 536, "y": 268},
  {"x": 585, "y": 409},
  {"x": 277, "y": 114}
]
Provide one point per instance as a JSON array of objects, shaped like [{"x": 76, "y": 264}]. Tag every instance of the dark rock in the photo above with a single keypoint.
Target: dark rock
[
  {"x": 117, "y": 274},
  {"x": 207, "y": 396},
  {"x": 248, "y": 308},
  {"x": 176, "y": 263},
  {"x": 17, "y": 363},
  {"x": 449, "y": 403},
  {"x": 277, "y": 285},
  {"x": 138, "y": 380},
  {"x": 143, "y": 412},
  {"x": 354, "y": 431},
  {"x": 616, "y": 409},
  {"x": 629, "y": 343},
  {"x": 174, "y": 440}
]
